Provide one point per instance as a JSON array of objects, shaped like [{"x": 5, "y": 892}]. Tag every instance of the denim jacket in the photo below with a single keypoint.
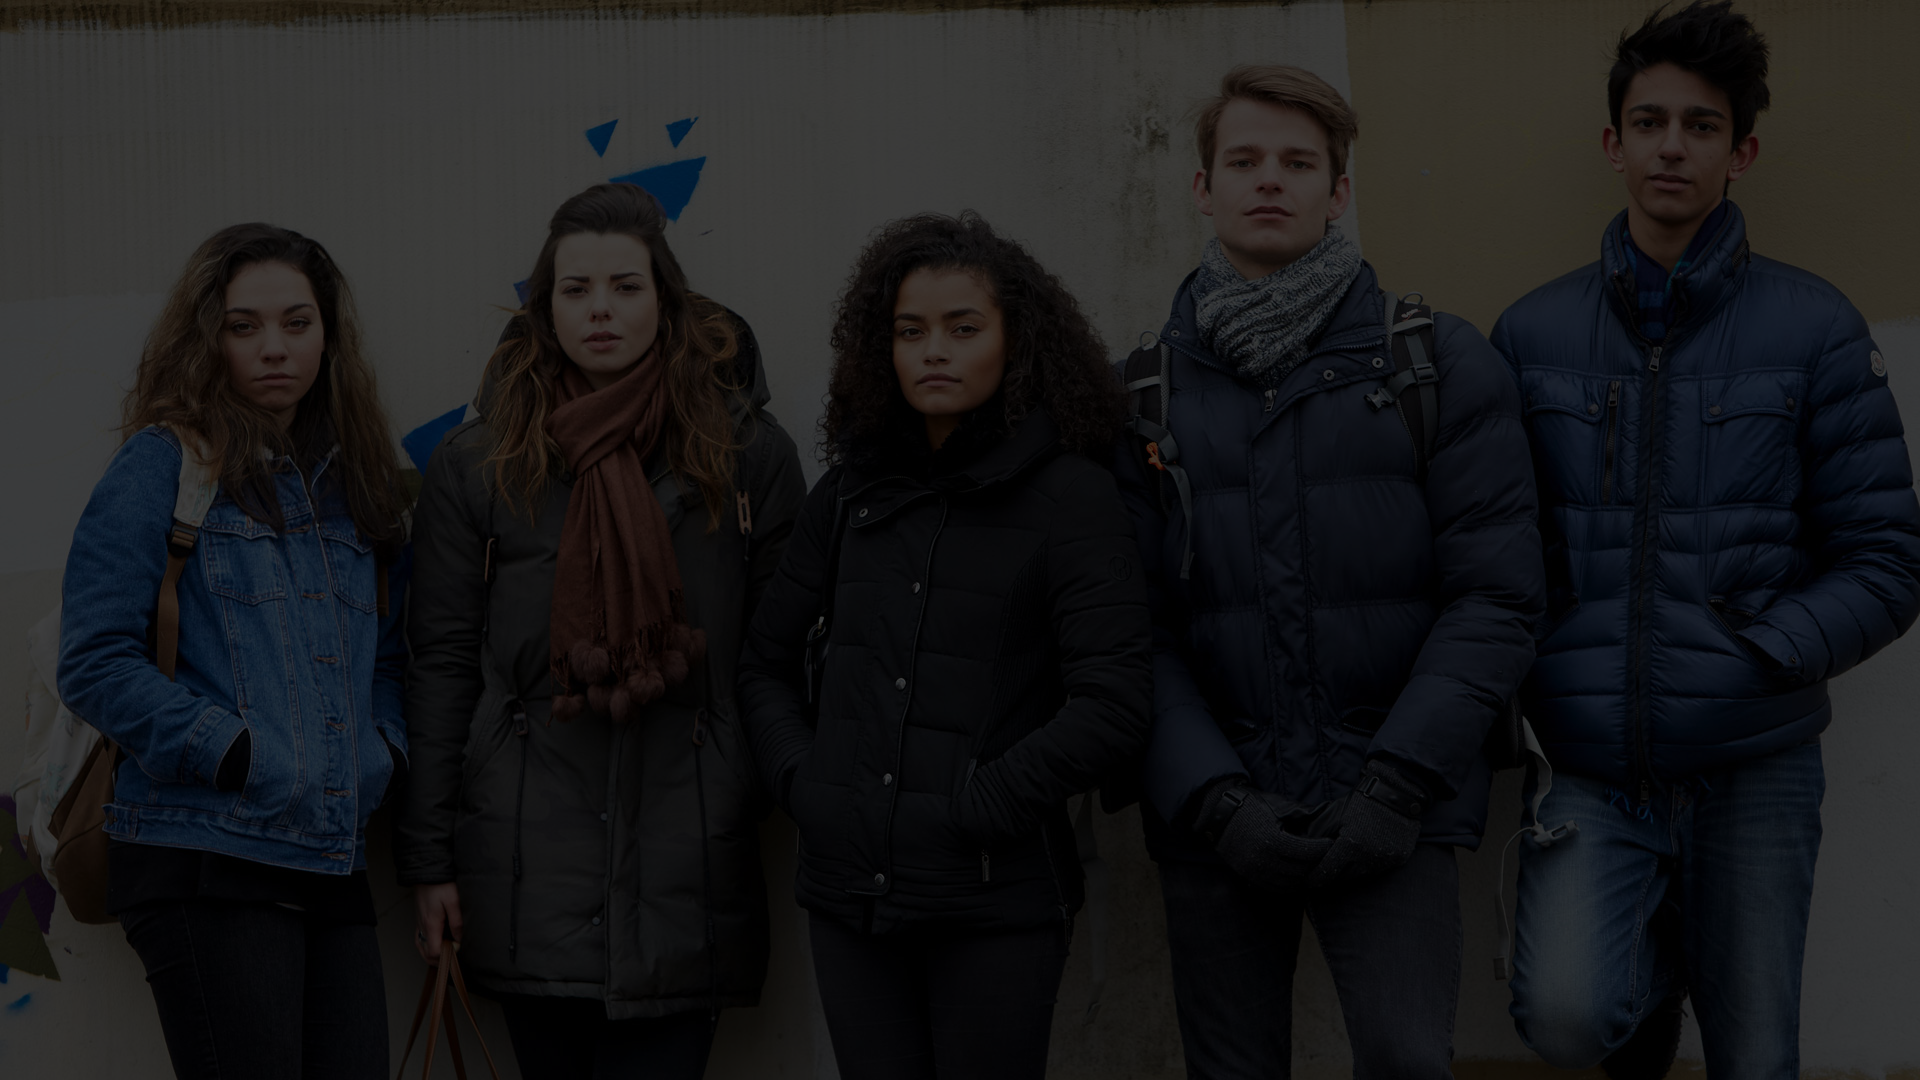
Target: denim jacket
[{"x": 280, "y": 636}]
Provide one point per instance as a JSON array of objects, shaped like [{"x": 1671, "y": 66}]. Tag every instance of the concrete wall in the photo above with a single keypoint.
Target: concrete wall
[{"x": 427, "y": 149}]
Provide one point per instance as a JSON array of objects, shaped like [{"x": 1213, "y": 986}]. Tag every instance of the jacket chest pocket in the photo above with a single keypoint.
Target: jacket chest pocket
[
  {"x": 1581, "y": 428},
  {"x": 350, "y": 564},
  {"x": 242, "y": 557},
  {"x": 1750, "y": 437}
]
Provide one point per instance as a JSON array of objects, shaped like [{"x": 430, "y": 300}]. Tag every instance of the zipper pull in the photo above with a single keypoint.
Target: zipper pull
[
  {"x": 986, "y": 867},
  {"x": 1269, "y": 407},
  {"x": 1653, "y": 364},
  {"x": 1646, "y": 793},
  {"x": 1613, "y": 394}
]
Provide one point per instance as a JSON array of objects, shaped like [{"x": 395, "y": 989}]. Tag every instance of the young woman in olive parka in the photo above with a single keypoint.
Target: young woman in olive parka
[{"x": 582, "y": 816}]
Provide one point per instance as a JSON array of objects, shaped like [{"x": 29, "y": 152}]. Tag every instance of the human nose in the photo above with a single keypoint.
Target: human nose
[
  {"x": 600, "y": 308},
  {"x": 273, "y": 344}
]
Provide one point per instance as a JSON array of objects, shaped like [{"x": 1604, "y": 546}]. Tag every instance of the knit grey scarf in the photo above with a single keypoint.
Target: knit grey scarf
[{"x": 1265, "y": 327}]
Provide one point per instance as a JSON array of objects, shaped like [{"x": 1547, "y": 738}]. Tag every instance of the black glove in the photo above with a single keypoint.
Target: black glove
[
  {"x": 1378, "y": 828},
  {"x": 1248, "y": 829},
  {"x": 231, "y": 774}
]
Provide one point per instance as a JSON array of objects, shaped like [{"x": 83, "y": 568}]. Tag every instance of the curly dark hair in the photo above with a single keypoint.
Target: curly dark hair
[
  {"x": 1055, "y": 360},
  {"x": 1708, "y": 38}
]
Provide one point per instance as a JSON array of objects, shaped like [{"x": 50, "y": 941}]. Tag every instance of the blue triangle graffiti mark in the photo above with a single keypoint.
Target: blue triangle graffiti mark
[
  {"x": 421, "y": 442},
  {"x": 672, "y": 183},
  {"x": 520, "y": 290},
  {"x": 679, "y": 128},
  {"x": 600, "y": 136}
]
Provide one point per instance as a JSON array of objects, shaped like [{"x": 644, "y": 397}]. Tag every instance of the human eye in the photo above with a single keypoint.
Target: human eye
[
  {"x": 239, "y": 326},
  {"x": 299, "y": 322},
  {"x": 907, "y": 332}
]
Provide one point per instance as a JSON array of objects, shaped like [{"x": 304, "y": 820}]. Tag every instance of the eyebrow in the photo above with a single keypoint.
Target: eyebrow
[
  {"x": 954, "y": 314},
  {"x": 1691, "y": 111},
  {"x": 250, "y": 311},
  {"x": 615, "y": 277},
  {"x": 1285, "y": 151}
]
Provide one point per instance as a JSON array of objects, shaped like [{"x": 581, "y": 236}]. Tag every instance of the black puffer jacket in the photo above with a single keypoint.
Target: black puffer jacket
[
  {"x": 989, "y": 658},
  {"x": 595, "y": 860}
]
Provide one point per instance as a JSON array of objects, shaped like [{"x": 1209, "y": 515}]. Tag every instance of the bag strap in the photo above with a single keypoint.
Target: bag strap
[
  {"x": 1409, "y": 325},
  {"x": 1099, "y": 888},
  {"x": 1147, "y": 375},
  {"x": 191, "y": 501},
  {"x": 435, "y": 1006},
  {"x": 823, "y": 624},
  {"x": 1543, "y": 836}
]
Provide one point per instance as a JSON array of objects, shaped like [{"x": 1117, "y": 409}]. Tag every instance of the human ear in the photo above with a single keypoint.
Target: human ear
[
  {"x": 1610, "y": 145},
  {"x": 1202, "y": 195},
  {"x": 1744, "y": 154},
  {"x": 1342, "y": 197}
]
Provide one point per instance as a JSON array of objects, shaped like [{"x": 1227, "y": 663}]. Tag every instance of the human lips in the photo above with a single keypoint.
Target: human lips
[
  {"x": 1669, "y": 182},
  {"x": 275, "y": 378},
  {"x": 603, "y": 341},
  {"x": 1269, "y": 212},
  {"x": 935, "y": 378}
]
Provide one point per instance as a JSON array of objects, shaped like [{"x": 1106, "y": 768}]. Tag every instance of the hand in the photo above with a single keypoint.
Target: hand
[
  {"x": 1248, "y": 830},
  {"x": 1378, "y": 829},
  {"x": 437, "y": 914}
]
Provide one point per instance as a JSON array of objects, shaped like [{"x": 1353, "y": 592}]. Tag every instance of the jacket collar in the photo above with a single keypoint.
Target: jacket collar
[
  {"x": 1359, "y": 320},
  {"x": 1034, "y": 440},
  {"x": 1698, "y": 290}
]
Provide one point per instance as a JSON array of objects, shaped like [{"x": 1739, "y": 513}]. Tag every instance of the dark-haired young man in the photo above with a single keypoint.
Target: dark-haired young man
[
  {"x": 1342, "y": 606},
  {"x": 1729, "y": 521}
]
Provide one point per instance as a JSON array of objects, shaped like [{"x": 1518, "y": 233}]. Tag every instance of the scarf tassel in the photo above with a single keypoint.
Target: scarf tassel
[{"x": 650, "y": 665}]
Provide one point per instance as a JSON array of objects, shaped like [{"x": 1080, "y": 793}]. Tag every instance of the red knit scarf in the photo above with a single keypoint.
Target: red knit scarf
[{"x": 619, "y": 620}]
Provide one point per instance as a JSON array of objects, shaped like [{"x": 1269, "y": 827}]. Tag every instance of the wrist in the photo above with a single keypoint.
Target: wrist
[
  {"x": 1395, "y": 788},
  {"x": 1218, "y": 802}
]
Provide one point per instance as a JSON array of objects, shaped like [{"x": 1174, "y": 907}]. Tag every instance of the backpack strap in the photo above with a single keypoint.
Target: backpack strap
[
  {"x": 1412, "y": 387},
  {"x": 815, "y": 659},
  {"x": 191, "y": 501},
  {"x": 1148, "y": 378}
]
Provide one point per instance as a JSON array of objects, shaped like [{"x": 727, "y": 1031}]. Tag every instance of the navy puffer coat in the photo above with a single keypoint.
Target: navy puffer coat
[
  {"x": 1729, "y": 514},
  {"x": 1338, "y": 609}
]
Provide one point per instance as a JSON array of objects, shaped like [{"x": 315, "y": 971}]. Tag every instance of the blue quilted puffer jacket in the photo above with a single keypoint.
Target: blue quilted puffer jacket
[
  {"x": 1728, "y": 515},
  {"x": 1340, "y": 607}
]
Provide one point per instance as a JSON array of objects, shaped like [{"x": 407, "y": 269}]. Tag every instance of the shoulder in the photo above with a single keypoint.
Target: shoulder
[
  {"x": 1470, "y": 368},
  {"x": 151, "y": 453},
  {"x": 1075, "y": 484},
  {"x": 1800, "y": 302},
  {"x": 1542, "y": 313}
]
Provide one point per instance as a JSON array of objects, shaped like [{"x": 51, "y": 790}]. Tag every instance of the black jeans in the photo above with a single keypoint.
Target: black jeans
[
  {"x": 556, "y": 1038},
  {"x": 927, "y": 1003},
  {"x": 1393, "y": 943},
  {"x": 261, "y": 991}
]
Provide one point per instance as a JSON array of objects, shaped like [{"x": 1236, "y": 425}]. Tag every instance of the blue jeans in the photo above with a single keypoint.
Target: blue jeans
[
  {"x": 1392, "y": 942},
  {"x": 1704, "y": 890}
]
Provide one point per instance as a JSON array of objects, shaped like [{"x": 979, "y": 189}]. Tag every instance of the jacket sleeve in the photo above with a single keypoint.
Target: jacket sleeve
[
  {"x": 1862, "y": 518},
  {"x": 1489, "y": 582},
  {"x": 445, "y": 613},
  {"x": 390, "y": 655},
  {"x": 107, "y": 672},
  {"x": 1102, "y": 636},
  {"x": 1186, "y": 750},
  {"x": 771, "y": 688},
  {"x": 778, "y": 491}
]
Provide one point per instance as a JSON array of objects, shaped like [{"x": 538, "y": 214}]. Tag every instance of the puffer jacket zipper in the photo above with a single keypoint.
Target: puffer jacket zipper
[
  {"x": 913, "y": 673},
  {"x": 1645, "y": 536}
]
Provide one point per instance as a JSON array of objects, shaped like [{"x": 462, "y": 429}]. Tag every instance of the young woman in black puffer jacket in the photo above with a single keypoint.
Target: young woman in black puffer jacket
[{"x": 986, "y": 655}]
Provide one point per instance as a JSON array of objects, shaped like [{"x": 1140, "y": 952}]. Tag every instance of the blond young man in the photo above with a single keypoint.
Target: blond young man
[{"x": 1342, "y": 607}]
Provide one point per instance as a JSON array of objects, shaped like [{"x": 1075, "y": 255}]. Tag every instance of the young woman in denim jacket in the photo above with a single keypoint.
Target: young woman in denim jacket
[{"x": 238, "y": 826}]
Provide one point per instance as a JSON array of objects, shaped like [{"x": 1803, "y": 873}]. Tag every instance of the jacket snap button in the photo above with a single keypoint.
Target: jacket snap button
[
  {"x": 1327, "y": 374},
  {"x": 887, "y": 780},
  {"x": 1789, "y": 403},
  {"x": 863, "y": 512},
  {"x": 603, "y": 815},
  {"x": 596, "y": 920},
  {"x": 1593, "y": 408},
  {"x": 1713, "y": 410},
  {"x": 916, "y": 586},
  {"x": 878, "y": 879},
  {"x": 899, "y": 684},
  {"x": 1378, "y": 362}
]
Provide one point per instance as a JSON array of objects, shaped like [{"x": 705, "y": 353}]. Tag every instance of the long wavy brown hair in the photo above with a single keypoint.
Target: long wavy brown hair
[
  {"x": 1055, "y": 359},
  {"x": 697, "y": 340},
  {"x": 183, "y": 382}
]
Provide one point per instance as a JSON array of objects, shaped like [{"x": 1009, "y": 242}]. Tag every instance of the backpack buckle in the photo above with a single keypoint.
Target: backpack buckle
[
  {"x": 1153, "y": 456},
  {"x": 1380, "y": 398}
]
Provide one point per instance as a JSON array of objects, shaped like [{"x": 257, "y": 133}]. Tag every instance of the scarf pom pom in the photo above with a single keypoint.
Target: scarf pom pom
[
  {"x": 620, "y": 705},
  {"x": 655, "y": 685},
  {"x": 598, "y": 698},
  {"x": 673, "y": 664},
  {"x": 598, "y": 667},
  {"x": 567, "y": 707}
]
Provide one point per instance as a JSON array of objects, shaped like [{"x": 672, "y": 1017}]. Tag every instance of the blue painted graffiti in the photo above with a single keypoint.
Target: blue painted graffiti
[
  {"x": 672, "y": 183},
  {"x": 598, "y": 137},
  {"x": 679, "y": 128}
]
